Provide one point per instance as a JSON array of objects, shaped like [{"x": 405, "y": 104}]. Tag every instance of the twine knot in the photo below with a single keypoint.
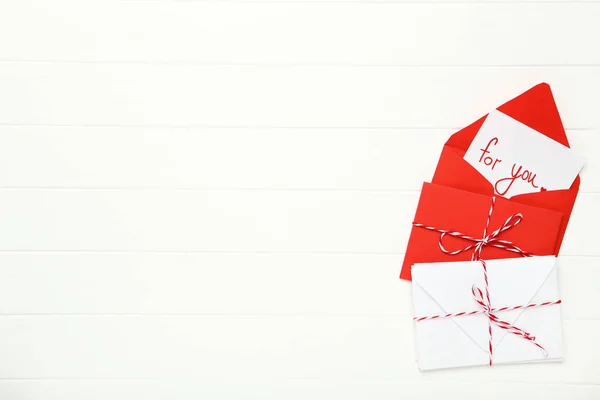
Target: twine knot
[{"x": 486, "y": 239}]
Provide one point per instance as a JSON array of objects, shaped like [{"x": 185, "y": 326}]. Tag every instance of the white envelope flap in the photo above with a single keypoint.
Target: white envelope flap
[
  {"x": 519, "y": 282},
  {"x": 512, "y": 282},
  {"x": 445, "y": 288}
]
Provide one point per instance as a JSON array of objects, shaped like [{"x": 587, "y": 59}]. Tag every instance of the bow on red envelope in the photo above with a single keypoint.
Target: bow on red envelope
[{"x": 535, "y": 108}]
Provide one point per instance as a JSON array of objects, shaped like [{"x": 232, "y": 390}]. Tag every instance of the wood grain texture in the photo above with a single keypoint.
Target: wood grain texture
[
  {"x": 263, "y": 221},
  {"x": 243, "y": 348},
  {"x": 233, "y": 158},
  {"x": 277, "y": 96},
  {"x": 211, "y": 199},
  {"x": 301, "y": 32},
  {"x": 234, "y": 284},
  {"x": 293, "y": 389}
]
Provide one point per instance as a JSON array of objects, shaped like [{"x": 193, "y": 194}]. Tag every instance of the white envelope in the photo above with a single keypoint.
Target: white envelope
[{"x": 445, "y": 288}]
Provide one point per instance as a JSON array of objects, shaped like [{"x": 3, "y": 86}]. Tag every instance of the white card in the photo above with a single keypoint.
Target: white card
[
  {"x": 460, "y": 341},
  {"x": 516, "y": 159}
]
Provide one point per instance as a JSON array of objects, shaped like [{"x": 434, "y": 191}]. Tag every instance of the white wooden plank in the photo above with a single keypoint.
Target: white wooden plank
[
  {"x": 225, "y": 348},
  {"x": 292, "y": 389},
  {"x": 227, "y": 158},
  {"x": 183, "y": 220},
  {"x": 183, "y": 95},
  {"x": 251, "y": 221},
  {"x": 259, "y": 284},
  {"x": 235, "y": 284},
  {"x": 232, "y": 185},
  {"x": 461, "y": 33}
]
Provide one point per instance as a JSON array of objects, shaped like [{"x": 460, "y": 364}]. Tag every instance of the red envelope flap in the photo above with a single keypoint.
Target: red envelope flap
[
  {"x": 447, "y": 208},
  {"x": 535, "y": 108},
  {"x": 452, "y": 170},
  {"x": 556, "y": 200},
  {"x": 536, "y": 234}
]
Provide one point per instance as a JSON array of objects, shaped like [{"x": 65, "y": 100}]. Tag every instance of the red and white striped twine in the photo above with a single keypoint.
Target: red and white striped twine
[
  {"x": 486, "y": 240},
  {"x": 475, "y": 312},
  {"x": 483, "y": 299}
]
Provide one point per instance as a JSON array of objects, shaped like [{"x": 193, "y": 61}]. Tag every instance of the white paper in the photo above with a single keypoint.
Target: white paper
[
  {"x": 516, "y": 159},
  {"x": 441, "y": 288}
]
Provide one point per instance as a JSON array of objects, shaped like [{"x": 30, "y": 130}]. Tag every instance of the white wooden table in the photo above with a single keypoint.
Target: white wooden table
[{"x": 210, "y": 199}]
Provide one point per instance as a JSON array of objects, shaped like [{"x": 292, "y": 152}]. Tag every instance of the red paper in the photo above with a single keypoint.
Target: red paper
[
  {"x": 535, "y": 108},
  {"x": 446, "y": 208}
]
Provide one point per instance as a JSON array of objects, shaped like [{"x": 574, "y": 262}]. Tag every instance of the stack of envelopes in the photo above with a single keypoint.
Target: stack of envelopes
[{"x": 486, "y": 233}]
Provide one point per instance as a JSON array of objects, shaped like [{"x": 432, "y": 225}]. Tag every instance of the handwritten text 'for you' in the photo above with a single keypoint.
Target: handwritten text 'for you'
[{"x": 503, "y": 185}]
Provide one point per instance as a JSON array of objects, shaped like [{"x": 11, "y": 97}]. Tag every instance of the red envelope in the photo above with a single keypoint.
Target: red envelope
[
  {"x": 535, "y": 108},
  {"x": 446, "y": 208}
]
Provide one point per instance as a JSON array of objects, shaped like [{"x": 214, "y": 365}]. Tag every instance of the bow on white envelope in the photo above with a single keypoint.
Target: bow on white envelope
[{"x": 458, "y": 341}]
